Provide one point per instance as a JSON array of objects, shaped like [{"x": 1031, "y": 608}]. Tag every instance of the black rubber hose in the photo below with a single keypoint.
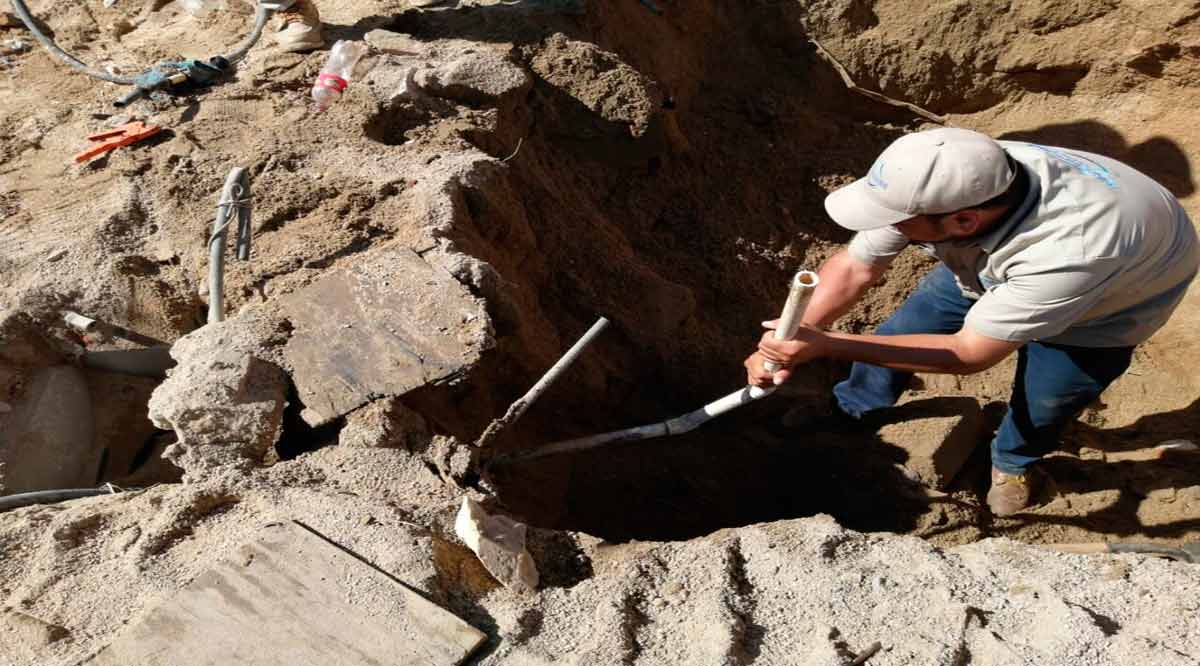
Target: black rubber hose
[
  {"x": 19, "y": 500},
  {"x": 260, "y": 21}
]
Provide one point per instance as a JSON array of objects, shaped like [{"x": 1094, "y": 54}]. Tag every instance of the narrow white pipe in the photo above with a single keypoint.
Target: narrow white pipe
[
  {"x": 79, "y": 322},
  {"x": 803, "y": 284}
]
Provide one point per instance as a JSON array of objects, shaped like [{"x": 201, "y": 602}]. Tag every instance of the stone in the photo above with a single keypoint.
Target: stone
[
  {"x": 33, "y": 632},
  {"x": 938, "y": 434},
  {"x": 224, "y": 403},
  {"x": 395, "y": 43},
  {"x": 407, "y": 330},
  {"x": 386, "y": 424},
  {"x": 499, "y": 542},
  {"x": 15, "y": 46},
  {"x": 477, "y": 77}
]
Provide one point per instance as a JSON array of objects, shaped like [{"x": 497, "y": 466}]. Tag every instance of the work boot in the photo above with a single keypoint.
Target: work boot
[
  {"x": 298, "y": 28},
  {"x": 1009, "y": 493}
]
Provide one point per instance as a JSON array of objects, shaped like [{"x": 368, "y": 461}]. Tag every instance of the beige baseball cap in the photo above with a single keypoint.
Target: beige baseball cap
[{"x": 932, "y": 172}]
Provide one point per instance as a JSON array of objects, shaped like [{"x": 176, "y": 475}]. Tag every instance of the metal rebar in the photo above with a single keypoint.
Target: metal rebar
[{"x": 526, "y": 401}]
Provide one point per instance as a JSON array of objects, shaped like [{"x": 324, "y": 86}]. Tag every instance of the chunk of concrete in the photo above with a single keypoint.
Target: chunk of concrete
[
  {"x": 47, "y": 437},
  {"x": 224, "y": 404},
  {"x": 386, "y": 424},
  {"x": 31, "y": 631},
  {"x": 499, "y": 542},
  {"x": 478, "y": 77},
  {"x": 938, "y": 434},
  {"x": 382, "y": 327},
  {"x": 395, "y": 43}
]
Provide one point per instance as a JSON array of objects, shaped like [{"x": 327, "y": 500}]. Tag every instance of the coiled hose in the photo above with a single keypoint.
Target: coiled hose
[{"x": 260, "y": 21}]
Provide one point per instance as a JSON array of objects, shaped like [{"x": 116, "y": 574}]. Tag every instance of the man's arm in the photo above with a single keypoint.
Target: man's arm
[
  {"x": 962, "y": 353},
  {"x": 844, "y": 280}
]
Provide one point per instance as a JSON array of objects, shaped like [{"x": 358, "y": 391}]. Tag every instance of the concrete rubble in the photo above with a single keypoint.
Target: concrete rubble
[
  {"x": 223, "y": 402},
  {"x": 499, "y": 541}
]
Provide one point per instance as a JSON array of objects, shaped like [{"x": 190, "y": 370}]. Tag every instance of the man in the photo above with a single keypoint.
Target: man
[{"x": 1068, "y": 258}]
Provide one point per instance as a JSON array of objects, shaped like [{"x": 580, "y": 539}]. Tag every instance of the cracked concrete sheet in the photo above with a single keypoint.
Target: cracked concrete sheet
[
  {"x": 293, "y": 597},
  {"x": 383, "y": 327}
]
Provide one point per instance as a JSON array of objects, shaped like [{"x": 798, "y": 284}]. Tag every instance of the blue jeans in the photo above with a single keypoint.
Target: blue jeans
[{"x": 1052, "y": 385}]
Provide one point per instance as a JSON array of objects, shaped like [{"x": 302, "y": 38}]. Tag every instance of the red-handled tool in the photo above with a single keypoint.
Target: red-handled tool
[{"x": 123, "y": 135}]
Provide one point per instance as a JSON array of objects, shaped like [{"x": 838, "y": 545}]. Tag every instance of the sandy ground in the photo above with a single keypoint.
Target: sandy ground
[{"x": 562, "y": 160}]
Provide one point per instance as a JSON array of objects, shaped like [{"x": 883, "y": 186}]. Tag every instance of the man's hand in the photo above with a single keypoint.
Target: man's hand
[
  {"x": 756, "y": 374},
  {"x": 806, "y": 346}
]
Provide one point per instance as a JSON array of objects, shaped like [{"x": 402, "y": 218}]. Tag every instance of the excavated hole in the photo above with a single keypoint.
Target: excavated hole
[
  {"x": 729, "y": 473},
  {"x": 680, "y": 215}
]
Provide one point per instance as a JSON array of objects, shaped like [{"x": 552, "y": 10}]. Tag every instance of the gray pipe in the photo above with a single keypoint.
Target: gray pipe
[
  {"x": 149, "y": 362},
  {"x": 234, "y": 195}
]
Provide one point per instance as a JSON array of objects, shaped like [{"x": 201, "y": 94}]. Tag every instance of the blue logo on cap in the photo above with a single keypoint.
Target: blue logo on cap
[{"x": 875, "y": 177}]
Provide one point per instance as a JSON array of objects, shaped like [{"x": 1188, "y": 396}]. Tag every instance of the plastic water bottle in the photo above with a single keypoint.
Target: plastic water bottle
[
  {"x": 336, "y": 73},
  {"x": 201, "y": 7}
]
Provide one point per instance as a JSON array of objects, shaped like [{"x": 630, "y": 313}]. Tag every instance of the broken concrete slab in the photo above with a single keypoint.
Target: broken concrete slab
[
  {"x": 47, "y": 441},
  {"x": 938, "y": 434},
  {"x": 499, "y": 542},
  {"x": 224, "y": 404},
  {"x": 389, "y": 324},
  {"x": 294, "y": 597}
]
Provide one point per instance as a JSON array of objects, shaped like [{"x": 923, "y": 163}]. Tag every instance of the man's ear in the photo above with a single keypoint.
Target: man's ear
[{"x": 966, "y": 222}]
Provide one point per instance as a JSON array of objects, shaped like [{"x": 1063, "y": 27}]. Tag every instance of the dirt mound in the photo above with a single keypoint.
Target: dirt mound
[{"x": 499, "y": 175}]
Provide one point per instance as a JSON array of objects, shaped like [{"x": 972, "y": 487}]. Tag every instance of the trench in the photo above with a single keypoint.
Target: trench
[
  {"x": 678, "y": 208},
  {"x": 677, "y": 202}
]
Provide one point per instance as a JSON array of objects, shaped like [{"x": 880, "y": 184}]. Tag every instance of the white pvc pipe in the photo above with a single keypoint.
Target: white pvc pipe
[
  {"x": 79, "y": 322},
  {"x": 803, "y": 284}
]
